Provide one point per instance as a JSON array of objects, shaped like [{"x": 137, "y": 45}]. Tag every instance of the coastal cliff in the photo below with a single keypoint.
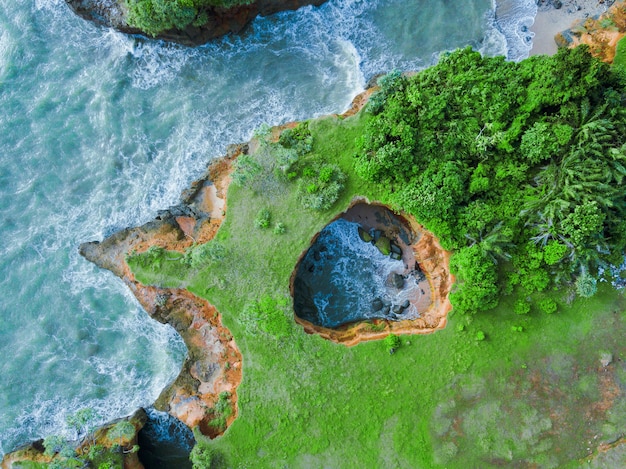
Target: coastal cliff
[
  {"x": 213, "y": 365},
  {"x": 219, "y": 20},
  {"x": 108, "y": 447}
]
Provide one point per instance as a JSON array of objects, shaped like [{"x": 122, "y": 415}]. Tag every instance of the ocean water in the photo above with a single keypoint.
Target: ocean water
[
  {"x": 347, "y": 274},
  {"x": 99, "y": 130}
]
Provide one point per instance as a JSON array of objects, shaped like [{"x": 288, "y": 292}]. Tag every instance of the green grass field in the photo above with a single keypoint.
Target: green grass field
[
  {"x": 620, "y": 54},
  {"x": 533, "y": 393}
]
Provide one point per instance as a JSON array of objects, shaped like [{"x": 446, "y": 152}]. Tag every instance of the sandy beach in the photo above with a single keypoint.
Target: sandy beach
[{"x": 551, "y": 21}]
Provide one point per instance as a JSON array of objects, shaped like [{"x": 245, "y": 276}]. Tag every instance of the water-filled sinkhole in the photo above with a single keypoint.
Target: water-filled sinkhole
[
  {"x": 361, "y": 266},
  {"x": 165, "y": 442}
]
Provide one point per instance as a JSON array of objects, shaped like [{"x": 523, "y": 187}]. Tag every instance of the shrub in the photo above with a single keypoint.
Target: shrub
[
  {"x": 200, "y": 255},
  {"x": 522, "y": 307},
  {"x": 263, "y": 219},
  {"x": 246, "y": 168},
  {"x": 389, "y": 84},
  {"x": 553, "y": 252},
  {"x": 204, "y": 457},
  {"x": 151, "y": 258},
  {"x": 480, "y": 336},
  {"x": 222, "y": 406},
  {"x": 320, "y": 186},
  {"x": 280, "y": 228},
  {"x": 298, "y": 139},
  {"x": 122, "y": 432},
  {"x": 548, "y": 305},
  {"x": 586, "y": 285},
  {"x": 392, "y": 342}
]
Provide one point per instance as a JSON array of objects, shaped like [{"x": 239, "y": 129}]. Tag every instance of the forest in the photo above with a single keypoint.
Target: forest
[{"x": 517, "y": 167}]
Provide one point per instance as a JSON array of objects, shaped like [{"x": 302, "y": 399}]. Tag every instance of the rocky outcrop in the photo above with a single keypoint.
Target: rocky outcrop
[
  {"x": 601, "y": 33},
  {"x": 221, "y": 21},
  {"x": 117, "y": 444},
  {"x": 213, "y": 364}
]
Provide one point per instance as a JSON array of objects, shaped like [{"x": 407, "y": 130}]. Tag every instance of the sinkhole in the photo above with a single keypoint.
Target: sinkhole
[{"x": 360, "y": 267}]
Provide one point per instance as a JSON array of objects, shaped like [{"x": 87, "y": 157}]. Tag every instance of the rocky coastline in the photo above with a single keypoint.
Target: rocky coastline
[
  {"x": 213, "y": 365},
  {"x": 104, "y": 436},
  {"x": 601, "y": 32},
  {"x": 221, "y": 21}
]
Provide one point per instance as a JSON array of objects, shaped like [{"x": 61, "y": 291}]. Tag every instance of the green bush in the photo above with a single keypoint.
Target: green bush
[
  {"x": 200, "y": 255},
  {"x": 263, "y": 219},
  {"x": 298, "y": 139},
  {"x": 222, "y": 406},
  {"x": 320, "y": 186},
  {"x": 246, "y": 169},
  {"x": 280, "y": 228},
  {"x": 151, "y": 258},
  {"x": 554, "y": 252},
  {"x": 522, "y": 307},
  {"x": 548, "y": 305},
  {"x": 586, "y": 285},
  {"x": 389, "y": 84},
  {"x": 392, "y": 343}
]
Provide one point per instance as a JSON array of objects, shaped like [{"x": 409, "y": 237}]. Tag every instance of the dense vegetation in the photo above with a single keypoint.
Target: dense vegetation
[
  {"x": 156, "y": 16},
  {"x": 517, "y": 167},
  {"x": 490, "y": 390}
]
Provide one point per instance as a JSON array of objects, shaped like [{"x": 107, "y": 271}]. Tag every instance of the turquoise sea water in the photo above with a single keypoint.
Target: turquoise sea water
[{"x": 99, "y": 130}]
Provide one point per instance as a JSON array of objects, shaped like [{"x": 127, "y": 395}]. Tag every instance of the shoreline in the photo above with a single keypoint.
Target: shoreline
[{"x": 550, "y": 21}]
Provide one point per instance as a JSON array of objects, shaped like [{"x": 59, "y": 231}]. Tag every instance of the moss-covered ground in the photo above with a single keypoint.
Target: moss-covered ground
[{"x": 492, "y": 390}]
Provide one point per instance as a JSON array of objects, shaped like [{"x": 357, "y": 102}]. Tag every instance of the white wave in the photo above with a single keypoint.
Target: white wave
[
  {"x": 494, "y": 42},
  {"x": 162, "y": 427},
  {"x": 350, "y": 274},
  {"x": 156, "y": 63},
  {"x": 513, "y": 19},
  {"x": 7, "y": 48}
]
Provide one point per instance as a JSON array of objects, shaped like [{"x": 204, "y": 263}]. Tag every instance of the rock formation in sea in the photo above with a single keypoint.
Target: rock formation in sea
[{"x": 220, "y": 20}]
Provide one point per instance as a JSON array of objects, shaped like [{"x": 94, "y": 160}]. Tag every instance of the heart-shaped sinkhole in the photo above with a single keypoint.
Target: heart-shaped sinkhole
[{"x": 361, "y": 267}]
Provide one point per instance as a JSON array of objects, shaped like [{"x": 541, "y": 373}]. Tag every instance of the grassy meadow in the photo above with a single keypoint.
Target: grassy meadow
[{"x": 496, "y": 389}]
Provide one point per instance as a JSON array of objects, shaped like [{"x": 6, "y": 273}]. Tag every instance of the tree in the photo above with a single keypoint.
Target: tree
[
  {"x": 392, "y": 342},
  {"x": 82, "y": 422},
  {"x": 477, "y": 287}
]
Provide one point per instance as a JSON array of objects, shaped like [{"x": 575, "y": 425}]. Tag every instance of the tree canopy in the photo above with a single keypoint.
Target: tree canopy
[{"x": 518, "y": 167}]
